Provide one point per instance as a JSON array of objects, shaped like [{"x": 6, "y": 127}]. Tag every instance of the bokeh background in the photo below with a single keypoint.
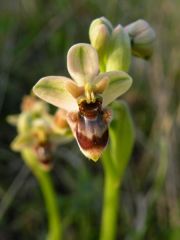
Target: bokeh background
[{"x": 35, "y": 36}]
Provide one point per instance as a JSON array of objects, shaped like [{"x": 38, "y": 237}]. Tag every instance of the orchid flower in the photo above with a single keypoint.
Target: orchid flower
[
  {"x": 38, "y": 130},
  {"x": 85, "y": 97}
]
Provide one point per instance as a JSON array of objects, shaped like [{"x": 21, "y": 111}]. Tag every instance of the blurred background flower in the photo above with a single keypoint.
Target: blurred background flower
[
  {"x": 39, "y": 131},
  {"x": 35, "y": 37}
]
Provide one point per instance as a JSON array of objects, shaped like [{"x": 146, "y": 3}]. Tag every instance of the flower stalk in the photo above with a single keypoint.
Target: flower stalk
[
  {"x": 110, "y": 208},
  {"x": 50, "y": 198}
]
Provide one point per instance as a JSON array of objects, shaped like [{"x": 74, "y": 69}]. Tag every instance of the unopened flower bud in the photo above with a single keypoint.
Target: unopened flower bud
[
  {"x": 99, "y": 33},
  {"x": 119, "y": 52},
  {"x": 142, "y": 38}
]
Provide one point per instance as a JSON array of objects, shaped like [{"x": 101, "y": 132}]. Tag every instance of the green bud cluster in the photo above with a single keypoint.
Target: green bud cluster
[{"x": 115, "y": 45}]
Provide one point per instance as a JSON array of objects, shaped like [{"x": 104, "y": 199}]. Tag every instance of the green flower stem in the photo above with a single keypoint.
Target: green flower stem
[
  {"x": 49, "y": 194},
  {"x": 110, "y": 208},
  {"x": 47, "y": 188},
  {"x": 115, "y": 159}
]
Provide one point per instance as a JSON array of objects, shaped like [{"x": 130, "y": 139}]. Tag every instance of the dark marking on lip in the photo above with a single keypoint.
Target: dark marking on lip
[{"x": 95, "y": 142}]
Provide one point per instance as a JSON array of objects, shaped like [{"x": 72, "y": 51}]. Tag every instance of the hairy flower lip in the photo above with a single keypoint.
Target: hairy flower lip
[{"x": 90, "y": 128}]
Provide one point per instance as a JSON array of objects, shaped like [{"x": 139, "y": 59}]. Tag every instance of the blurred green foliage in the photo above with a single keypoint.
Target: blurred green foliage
[{"x": 34, "y": 39}]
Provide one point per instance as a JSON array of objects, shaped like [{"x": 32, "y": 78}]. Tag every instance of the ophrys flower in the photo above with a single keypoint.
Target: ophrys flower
[
  {"x": 85, "y": 97},
  {"x": 39, "y": 131}
]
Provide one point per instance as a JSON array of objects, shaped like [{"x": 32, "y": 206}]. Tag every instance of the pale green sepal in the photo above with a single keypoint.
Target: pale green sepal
[
  {"x": 118, "y": 83},
  {"x": 22, "y": 141},
  {"x": 142, "y": 38},
  {"x": 119, "y": 51},
  {"x": 53, "y": 90},
  {"x": 82, "y": 63}
]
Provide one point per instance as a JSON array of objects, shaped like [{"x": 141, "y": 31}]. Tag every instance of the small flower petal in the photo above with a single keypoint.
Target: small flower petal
[
  {"x": 119, "y": 83},
  {"x": 53, "y": 90},
  {"x": 74, "y": 90},
  {"x": 82, "y": 63},
  {"x": 101, "y": 85}
]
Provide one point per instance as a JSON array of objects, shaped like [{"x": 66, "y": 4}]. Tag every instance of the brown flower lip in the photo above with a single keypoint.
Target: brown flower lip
[
  {"x": 91, "y": 128},
  {"x": 95, "y": 142}
]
